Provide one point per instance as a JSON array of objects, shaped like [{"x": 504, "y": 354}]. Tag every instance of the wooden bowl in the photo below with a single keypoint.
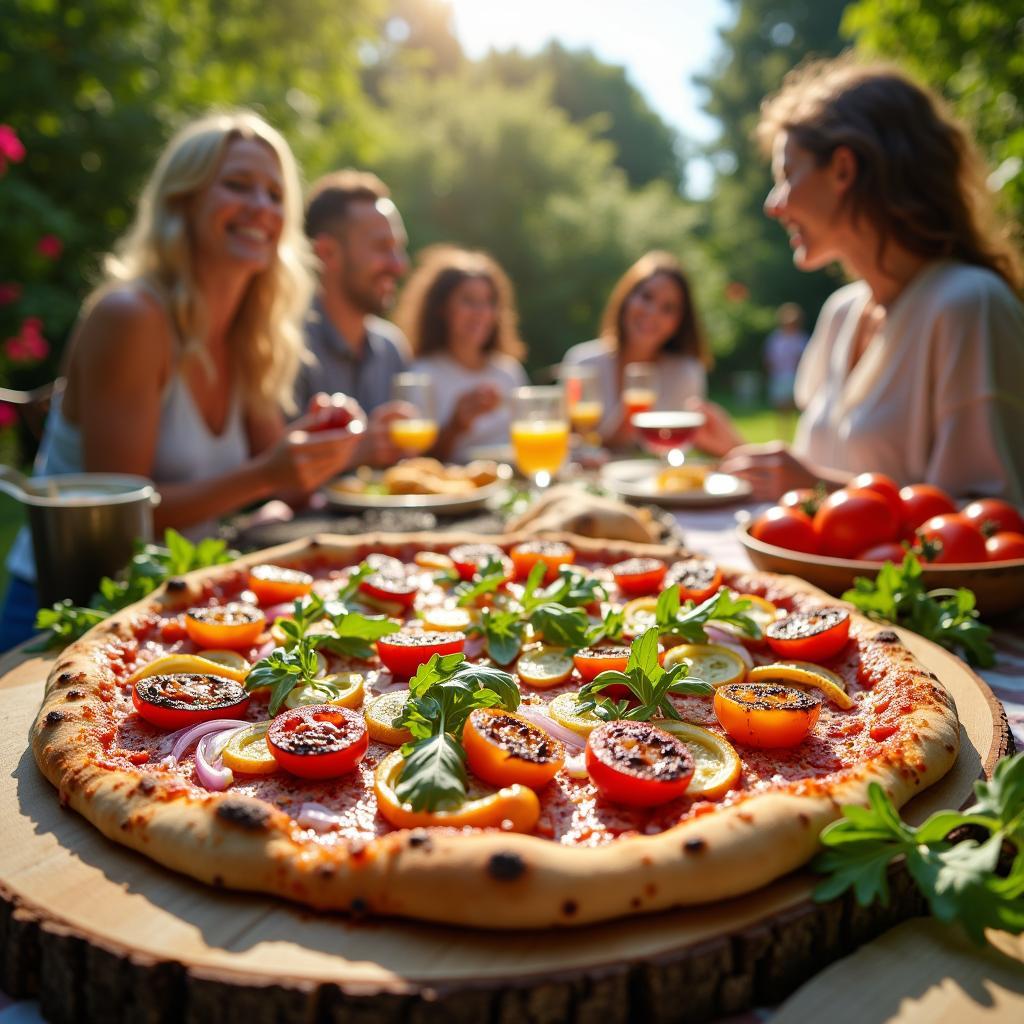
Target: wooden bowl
[{"x": 998, "y": 586}]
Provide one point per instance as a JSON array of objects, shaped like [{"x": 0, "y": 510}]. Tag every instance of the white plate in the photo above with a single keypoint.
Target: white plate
[
  {"x": 440, "y": 503},
  {"x": 637, "y": 479}
]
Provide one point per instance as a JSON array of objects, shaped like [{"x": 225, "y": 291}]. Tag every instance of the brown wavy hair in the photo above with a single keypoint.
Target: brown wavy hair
[
  {"x": 688, "y": 339},
  {"x": 421, "y": 311},
  {"x": 920, "y": 179}
]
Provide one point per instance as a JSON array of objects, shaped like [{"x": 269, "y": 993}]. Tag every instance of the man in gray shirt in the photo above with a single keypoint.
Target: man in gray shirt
[{"x": 358, "y": 236}]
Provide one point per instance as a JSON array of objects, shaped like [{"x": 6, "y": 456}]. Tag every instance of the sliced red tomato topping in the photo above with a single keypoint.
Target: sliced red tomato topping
[
  {"x": 502, "y": 748},
  {"x": 318, "y": 741},
  {"x": 274, "y": 584},
  {"x": 810, "y": 636},
  {"x": 553, "y": 553},
  {"x": 636, "y": 576},
  {"x": 403, "y": 652},
  {"x": 766, "y": 714},
  {"x": 590, "y": 662},
  {"x": 638, "y": 764},
  {"x": 387, "y": 564},
  {"x": 697, "y": 578},
  {"x": 387, "y": 587},
  {"x": 186, "y": 698},
  {"x": 469, "y": 559},
  {"x": 234, "y": 625}
]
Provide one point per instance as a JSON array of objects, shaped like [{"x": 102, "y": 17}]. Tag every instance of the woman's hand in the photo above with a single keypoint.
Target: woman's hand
[
  {"x": 771, "y": 469},
  {"x": 719, "y": 434},
  {"x": 303, "y": 460},
  {"x": 332, "y": 412},
  {"x": 377, "y": 448}
]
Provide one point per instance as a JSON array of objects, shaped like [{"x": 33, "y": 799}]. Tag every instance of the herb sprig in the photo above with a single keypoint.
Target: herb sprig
[
  {"x": 947, "y": 617},
  {"x": 965, "y": 881},
  {"x": 688, "y": 622}
]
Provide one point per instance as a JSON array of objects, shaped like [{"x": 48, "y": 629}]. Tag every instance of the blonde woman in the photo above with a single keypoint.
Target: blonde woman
[
  {"x": 916, "y": 369},
  {"x": 185, "y": 356}
]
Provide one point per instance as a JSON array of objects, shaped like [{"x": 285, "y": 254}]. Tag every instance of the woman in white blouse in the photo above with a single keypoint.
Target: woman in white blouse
[
  {"x": 916, "y": 369},
  {"x": 650, "y": 318}
]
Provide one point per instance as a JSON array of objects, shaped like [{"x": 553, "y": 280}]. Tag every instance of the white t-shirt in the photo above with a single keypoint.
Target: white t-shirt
[
  {"x": 452, "y": 380},
  {"x": 678, "y": 378},
  {"x": 938, "y": 395}
]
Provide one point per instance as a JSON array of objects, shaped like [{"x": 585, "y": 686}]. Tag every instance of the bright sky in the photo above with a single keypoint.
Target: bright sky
[{"x": 661, "y": 43}]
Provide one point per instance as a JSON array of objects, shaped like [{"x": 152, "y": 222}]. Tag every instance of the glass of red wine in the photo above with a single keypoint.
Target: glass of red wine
[{"x": 668, "y": 433}]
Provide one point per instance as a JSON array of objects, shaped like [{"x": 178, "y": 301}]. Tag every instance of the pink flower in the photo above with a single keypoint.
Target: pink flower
[
  {"x": 29, "y": 344},
  {"x": 50, "y": 246},
  {"x": 10, "y": 291},
  {"x": 8, "y": 415},
  {"x": 10, "y": 147}
]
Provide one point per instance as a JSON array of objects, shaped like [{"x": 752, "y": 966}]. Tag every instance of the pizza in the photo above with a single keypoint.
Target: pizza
[{"x": 495, "y": 732}]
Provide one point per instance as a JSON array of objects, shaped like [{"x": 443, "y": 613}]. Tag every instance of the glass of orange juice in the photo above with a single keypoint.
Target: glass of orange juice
[
  {"x": 416, "y": 433},
  {"x": 639, "y": 388},
  {"x": 583, "y": 398},
  {"x": 540, "y": 431}
]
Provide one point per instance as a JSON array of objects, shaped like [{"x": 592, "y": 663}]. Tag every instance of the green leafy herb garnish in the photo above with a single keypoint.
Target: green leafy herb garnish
[
  {"x": 502, "y": 632},
  {"x": 948, "y": 617},
  {"x": 283, "y": 669},
  {"x": 150, "y": 566},
  {"x": 688, "y": 622},
  {"x": 441, "y": 696},
  {"x": 649, "y": 683},
  {"x": 967, "y": 881},
  {"x": 485, "y": 581}
]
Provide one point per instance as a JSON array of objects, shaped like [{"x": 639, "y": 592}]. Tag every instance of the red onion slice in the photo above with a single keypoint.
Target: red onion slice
[
  {"x": 210, "y": 770},
  {"x": 724, "y": 639},
  {"x": 539, "y": 717},
  {"x": 184, "y": 738}
]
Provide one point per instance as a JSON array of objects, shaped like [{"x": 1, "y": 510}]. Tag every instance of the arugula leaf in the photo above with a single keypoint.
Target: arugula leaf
[
  {"x": 947, "y": 617},
  {"x": 282, "y": 670},
  {"x": 962, "y": 881},
  {"x": 434, "y": 774},
  {"x": 571, "y": 590},
  {"x": 560, "y": 626},
  {"x": 352, "y": 630},
  {"x": 649, "y": 683},
  {"x": 502, "y": 632},
  {"x": 487, "y": 580},
  {"x": 611, "y": 627},
  {"x": 688, "y": 621}
]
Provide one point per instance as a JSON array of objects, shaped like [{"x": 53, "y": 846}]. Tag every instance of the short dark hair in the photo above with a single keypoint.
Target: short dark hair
[{"x": 331, "y": 198}]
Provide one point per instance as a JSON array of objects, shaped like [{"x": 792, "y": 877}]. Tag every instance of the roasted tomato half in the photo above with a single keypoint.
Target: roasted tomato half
[
  {"x": 187, "y": 698},
  {"x": 697, "y": 578},
  {"x": 637, "y": 576},
  {"x": 766, "y": 714},
  {"x": 318, "y": 741},
  {"x": 590, "y": 662},
  {"x": 638, "y": 764},
  {"x": 469, "y": 559},
  {"x": 553, "y": 553},
  {"x": 383, "y": 586},
  {"x": 273, "y": 584},
  {"x": 810, "y": 636},
  {"x": 502, "y": 748},
  {"x": 234, "y": 625},
  {"x": 403, "y": 652}
]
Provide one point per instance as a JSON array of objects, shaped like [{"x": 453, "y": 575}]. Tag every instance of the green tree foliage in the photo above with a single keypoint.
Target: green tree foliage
[
  {"x": 601, "y": 96},
  {"x": 766, "y": 39},
  {"x": 971, "y": 51},
  {"x": 487, "y": 166}
]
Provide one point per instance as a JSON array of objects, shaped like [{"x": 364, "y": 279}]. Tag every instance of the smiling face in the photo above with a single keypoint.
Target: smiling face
[
  {"x": 471, "y": 314},
  {"x": 807, "y": 201},
  {"x": 238, "y": 217},
  {"x": 652, "y": 314}
]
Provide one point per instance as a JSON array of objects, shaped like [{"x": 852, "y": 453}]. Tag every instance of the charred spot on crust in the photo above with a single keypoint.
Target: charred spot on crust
[
  {"x": 147, "y": 786},
  {"x": 569, "y": 907},
  {"x": 695, "y": 845},
  {"x": 251, "y": 815},
  {"x": 804, "y": 819},
  {"x": 358, "y": 907},
  {"x": 54, "y": 718},
  {"x": 175, "y": 585},
  {"x": 506, "y": 867},
  {"x": 887, "y": 636},
  {"x": 419, "y": 839},
  {"x": 218, "y": 881},
  {"x": 635, "y": 902},
  {"x": 67, "y": 678},
  {"x": 74, "y": 695}
]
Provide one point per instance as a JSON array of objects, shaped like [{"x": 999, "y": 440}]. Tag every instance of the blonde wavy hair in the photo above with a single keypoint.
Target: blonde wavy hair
[
  {"x": 265, "y": 337},
  {"x": 920, "y": 182}
]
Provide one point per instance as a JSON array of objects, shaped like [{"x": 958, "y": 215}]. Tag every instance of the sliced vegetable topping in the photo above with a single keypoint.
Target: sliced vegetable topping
[
  {"x": 806, "y": 673},
  {"x": 638, "y": 764},
  {"x": 273, "y": 584},
  {"x": 342, "y": 688},
  {"x": 173, "y": 664},
  {"x": 810, "y": 636},
  {"x": 713, "y": 663},
  {"x": 469, "y": 559},
  {"x": 233, "y": 625},
  {"x": 592, "y": 661},
  {"x": 188, "y": 698},
  {"x": 550, "y": 553},
  {"x": 636, "y": 576},
  {"x": 247, "y": 751},
  {"x": 766, "y": 714},
  {"x": 381, "y": 715},
  {"x": 405, "y": 651},
  {"x": 399, "y": 589},
  {"x": 503, "y": 748},
  {"x": 697, "y": 578},
  {"x": 717, "y": 765},
  {"x": 544, "y": 667},
  {"x": 639, "y": 615},
  {"x": 320, "y": 741},
  {"x": 563, "y": 710},
  {"x": 433, "y": 560},
  {"x": 448, "y": 620}
]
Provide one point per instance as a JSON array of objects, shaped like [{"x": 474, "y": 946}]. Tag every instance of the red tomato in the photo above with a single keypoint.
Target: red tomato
[
  {"x": 697, "y": 579},
  {"x": 403, "y": 652},
  {"x": 503, "y": 748},
  {"x": 890, "y": 551},
  {"x": 469, "y": 559},
  {"x": 883, "y": 485},
  {"x": 804, "y": 499},
  {"x": 636, "y": 576},
  {"x": 592, "y": 661},
  {"x": 553, "y": 553},
  {"x": 274, "y": 584},
  {"x": 383, "y": 587},
  {"x": 810, "y": 636},
  {"x": 637, "y": 764},
  {"x": 991, "y": 516},
  {"x": 786, "y": 527},
  {"x": 766, "y": 714},
  {"x": 850, "y": 521},
  {"x": 953, "y": 538},
  {"x": 235, "y": 625},
  {"x": 1005, "y": 546},
  {"x": 335, "y": 416},
  {"x": 187, "y": 698},
  {"x": 318, "y": 741},
  {"x": 921, "y": 502}
]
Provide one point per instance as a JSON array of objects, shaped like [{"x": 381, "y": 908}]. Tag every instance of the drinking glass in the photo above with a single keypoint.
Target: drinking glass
[
  {"x": 417, "y": 433},
  {"x": 639, "y": 388},
  {"x": 583, "y": 398},
  {"x": 668, "y": 433},
  {"x": 540, "y": 432}
]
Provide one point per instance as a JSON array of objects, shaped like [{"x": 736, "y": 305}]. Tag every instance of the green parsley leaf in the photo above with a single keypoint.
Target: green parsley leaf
[{"x": 502, "y": 632}]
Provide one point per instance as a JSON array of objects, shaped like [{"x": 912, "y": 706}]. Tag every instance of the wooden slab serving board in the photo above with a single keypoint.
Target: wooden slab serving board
[{"x": 99, "y": 933}]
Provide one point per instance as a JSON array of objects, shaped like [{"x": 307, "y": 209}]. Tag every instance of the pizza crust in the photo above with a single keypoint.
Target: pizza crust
[{"x": 485, "y": 879}]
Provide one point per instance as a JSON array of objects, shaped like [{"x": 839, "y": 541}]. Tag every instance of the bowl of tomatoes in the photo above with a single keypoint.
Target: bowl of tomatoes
[{"x": 830, "y": 539}]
